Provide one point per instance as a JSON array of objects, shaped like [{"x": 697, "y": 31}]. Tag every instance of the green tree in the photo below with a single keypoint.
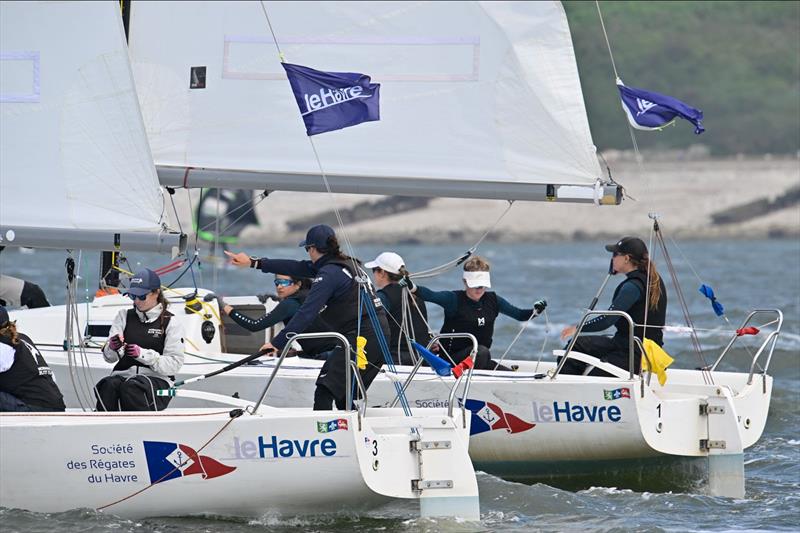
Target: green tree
[{"x": 737, "y": 61}]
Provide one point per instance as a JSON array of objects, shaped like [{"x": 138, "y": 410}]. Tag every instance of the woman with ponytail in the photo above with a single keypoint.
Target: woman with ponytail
[
  {"x": 641, "y": 294},
  {"x": 146, "y": 346}
]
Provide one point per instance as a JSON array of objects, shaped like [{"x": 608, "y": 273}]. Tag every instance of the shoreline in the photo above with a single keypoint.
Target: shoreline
[{"x": 686, "y": 195}]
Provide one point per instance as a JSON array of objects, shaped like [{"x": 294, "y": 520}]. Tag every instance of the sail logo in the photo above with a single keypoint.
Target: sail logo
[
  {"x": 616, "y": 394},
  {"x": 644, "y": 106},
  {"x": 567, "y": 412},
  {"x": 487, "y": 416},
  {"x": 331, "y": 97},
  {"x": 170, "y": 460},
  {"x": 333, "y": 425}
]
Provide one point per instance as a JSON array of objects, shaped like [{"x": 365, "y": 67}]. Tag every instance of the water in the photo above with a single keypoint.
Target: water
[{"x": 744, "y": 275}]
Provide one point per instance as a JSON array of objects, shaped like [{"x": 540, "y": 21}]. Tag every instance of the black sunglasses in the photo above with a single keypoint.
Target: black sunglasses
[{"x": 135, "y": 297}]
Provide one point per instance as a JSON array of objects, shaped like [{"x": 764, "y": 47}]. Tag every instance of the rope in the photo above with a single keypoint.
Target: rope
[
  {"x": 435, "y": 271},
  {"x": 608, "y": 43},
  {"x": 165, "y": 476},
  {"x": 514, "y": 340}
]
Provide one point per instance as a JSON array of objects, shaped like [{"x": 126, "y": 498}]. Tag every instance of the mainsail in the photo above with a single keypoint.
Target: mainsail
[
  {"x": 478, "y": 99},
  {"x": 75, "y": 167}
]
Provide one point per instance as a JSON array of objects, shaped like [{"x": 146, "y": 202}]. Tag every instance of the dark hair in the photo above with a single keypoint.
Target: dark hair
[
  {"x": 332, "y": 248},
  {"x": 165, "y": 303},
  {"x": 305, "y": 283}
]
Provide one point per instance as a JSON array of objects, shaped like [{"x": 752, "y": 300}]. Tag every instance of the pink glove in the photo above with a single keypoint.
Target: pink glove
[
  {"x": 133, "y": 350},
  {"x": 115, "y": 342}
]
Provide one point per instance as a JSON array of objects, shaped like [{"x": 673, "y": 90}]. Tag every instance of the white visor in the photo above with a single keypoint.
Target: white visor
[{"x": 477, "y": 279}]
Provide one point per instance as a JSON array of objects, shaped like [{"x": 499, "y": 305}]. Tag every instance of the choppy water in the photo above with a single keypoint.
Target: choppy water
[{"x": 745, "y": 275}]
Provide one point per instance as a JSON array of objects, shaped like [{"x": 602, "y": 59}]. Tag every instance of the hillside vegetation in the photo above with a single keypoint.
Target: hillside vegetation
[{"x": 737, "y": 61}]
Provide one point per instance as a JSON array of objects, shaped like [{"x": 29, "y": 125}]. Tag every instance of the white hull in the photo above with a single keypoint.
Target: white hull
[
  {"x": 523, "y": 422},
  {"x": 270, "y": 462}
]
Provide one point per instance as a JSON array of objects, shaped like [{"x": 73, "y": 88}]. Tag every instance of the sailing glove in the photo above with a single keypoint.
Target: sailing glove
[
  {"x": 540, "y": 305},
  {"x": 115, "y": 343},
  {"x": 406, "y": 282},
  {"x": 133, "y": 350}
]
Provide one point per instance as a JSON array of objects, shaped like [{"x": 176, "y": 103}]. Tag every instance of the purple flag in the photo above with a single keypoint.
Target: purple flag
[{"x": 331, "y": 101}]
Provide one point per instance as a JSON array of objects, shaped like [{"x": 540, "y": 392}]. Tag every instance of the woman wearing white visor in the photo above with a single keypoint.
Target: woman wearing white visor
[{"x": 474, "y": 310}]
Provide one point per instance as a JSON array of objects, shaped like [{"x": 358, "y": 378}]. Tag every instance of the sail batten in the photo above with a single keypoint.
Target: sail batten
[
  {"x": 75, "y": 156},
  {"x": 477, "y": 96}
]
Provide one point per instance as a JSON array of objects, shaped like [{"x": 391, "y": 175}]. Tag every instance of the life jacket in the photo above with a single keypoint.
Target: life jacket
[
  {"x": 655, "y": 317},
  {"x": 341, "y": 314},
  {"x": 471, "y": 317},
  {"x": 149, "y": 335},
  {"x": 312, "y": 346},
  {"x": 29, "y": 378},
  {"x": 418, "y": 329}
]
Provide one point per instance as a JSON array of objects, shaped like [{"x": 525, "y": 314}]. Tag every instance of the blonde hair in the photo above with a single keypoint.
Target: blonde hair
[{"x": 476, "y": 263}]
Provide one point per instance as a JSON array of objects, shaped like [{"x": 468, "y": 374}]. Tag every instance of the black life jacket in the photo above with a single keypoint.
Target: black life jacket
[
  {"x": 417, "y": 329},
  {"x": 312, "y": 346},
  {"x": 655, "y": 317},
  {"x": 149, "y": 335},
  {"x": 29, "y": 378},
  {"x": 341, "y": 315},
  {"x": 472, "y": 317}
]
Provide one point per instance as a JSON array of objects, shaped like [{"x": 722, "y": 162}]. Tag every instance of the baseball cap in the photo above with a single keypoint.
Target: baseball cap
[
  {"x": 143, "y": 282},
  {"x": 318, "y": 237},
  {"x": 629, "y": 245},
  {"x": 3, "y": 316},
  {"x": 388, "y": 261}
]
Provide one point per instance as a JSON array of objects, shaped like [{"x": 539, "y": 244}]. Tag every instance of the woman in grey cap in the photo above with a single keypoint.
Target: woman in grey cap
[
  {"x": 147, "y": 347},
  {"x": 638, "y": 296}
]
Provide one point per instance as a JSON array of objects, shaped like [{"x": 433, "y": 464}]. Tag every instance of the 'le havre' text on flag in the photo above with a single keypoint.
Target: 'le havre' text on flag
[
  {"x": 647, "y": 110},
  {"x": 331, "y": 101}
]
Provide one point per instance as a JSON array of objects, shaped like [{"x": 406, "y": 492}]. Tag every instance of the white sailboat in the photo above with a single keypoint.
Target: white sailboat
[
  {"x": 502, "y": 88},
  {"x": 74, "y": 143}
]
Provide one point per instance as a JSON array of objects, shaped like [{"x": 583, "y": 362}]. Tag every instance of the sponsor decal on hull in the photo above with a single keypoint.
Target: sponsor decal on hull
[
  {"x": 616, "y": 394},
  {"x": 333, "y": 425},
  {"x": 170, "y": 460},
  {"x": 487, "y": 416},
  {"x": 274, "y": 448},
  {"x": 570, "y": 412}
]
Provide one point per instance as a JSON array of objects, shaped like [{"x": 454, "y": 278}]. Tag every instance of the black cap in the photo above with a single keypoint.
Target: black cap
[
  {"x": 318, "y": 237},
  {"x": 3, "y": 316},
  {"x": 633, "y": 246}
]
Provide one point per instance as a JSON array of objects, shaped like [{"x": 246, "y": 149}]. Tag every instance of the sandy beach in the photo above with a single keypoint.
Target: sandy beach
[{"x": 684, "y": 194}]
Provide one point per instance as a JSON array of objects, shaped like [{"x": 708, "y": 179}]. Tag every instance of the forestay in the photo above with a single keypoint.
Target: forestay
[
  {"x": 75, "y": 167},
  {"x": 478, "y": 99}
]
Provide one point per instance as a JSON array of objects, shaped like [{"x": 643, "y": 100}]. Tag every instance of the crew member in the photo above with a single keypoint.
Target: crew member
[
  {"x": 388, "y": 269},
  {"x": 146, "y": 344},
  {"x": 333, "y": 301},
  {"x": 15, "y": 292},
  {"x": 26, "y": 382},
  {"x": 639, "y": 295},
  {"x": 474, "y": 310},
  {"x": 292, "y": 292}
]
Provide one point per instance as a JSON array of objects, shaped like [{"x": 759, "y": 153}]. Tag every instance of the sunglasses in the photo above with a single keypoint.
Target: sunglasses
[
  {"x": 135, "y": 297},
  {"x": 283, "y": 282}
]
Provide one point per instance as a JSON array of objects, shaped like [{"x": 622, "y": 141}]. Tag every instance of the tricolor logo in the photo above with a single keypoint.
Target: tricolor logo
[
  {"x": 169, "y": 460},
  {"x": 616, "y": 394},
  {"x": 333, "y": 425},
  {"x": 489, "y": 417}
]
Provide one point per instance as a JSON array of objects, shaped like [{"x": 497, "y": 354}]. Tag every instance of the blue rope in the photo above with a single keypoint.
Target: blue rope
[{"x": 373, "y": 315}]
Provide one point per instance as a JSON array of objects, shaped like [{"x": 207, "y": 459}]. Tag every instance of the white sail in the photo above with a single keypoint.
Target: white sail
[
  {"x": 478, "y": 99},
  {"x": 75, "y": 166}
]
